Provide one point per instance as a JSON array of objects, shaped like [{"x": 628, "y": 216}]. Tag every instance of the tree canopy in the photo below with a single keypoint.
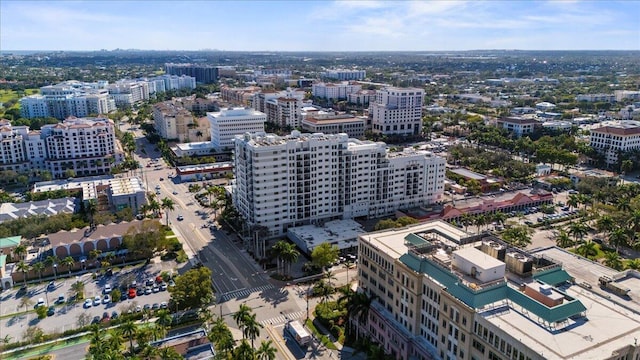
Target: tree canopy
[
  {"x": 324, "y": 254},
  {"x": 193, "y": 289}
]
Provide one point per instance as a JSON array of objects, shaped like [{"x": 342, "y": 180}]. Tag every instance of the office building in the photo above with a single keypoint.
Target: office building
[
  {"x": 300, "y": 179},
  {"x": 397, "y": 111},
  {"x": 518, "y": 125},
  {"x": 172, "y": 122},
  {"x": 227, "y": 123},
  {"x": 333, "y": 123},
  {"x": 440, "y": 294},
  {"x": 13, "y": 154},
  {"x": 125, "y": 93},
  {"x": 345, "y": 74},
  {"x": 283, "y": 108},
  {"x": 239, "y": 96},
  {"x": 335, "y": 91},
  {"x": 84, "y": 146},
  {"x": 68, "y": 98},
  {"x": 205, "y": 74},
  {"x": 613, "y": 137},
  {"x": 362, "y": 97}
]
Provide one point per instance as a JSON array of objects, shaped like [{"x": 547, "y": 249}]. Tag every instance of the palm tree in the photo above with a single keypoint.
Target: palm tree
[
  {"x": 587, "y": 249},
  {"x": 633, "y": 264},
  {"x": 90, "y": 208},
  {"x": 244, "y": 351},
  {"x": 266, "y": 351},
  {"x": 605, "y": 223},
  {"x": 578, "y": 230},
  {"x": 563, "y": 240},
  {"x": 164, "y": 319},
  {"x": 26, "y": 302},
  {"x": 168, "y": 205},
  {"x": 278, "y": 249},
  {"x": 252, "y": 328},
  {"x": 39, "y": 268},
  {"x": 466, "y": 219},
  {"x": 68, "y": 262},
  {"x": 169, "y": 353},
  {"x": 634, "y": 220},
  {"x": 114, "y": 339},
  {"x": 24, "y": 267},
  {"x": 221, "y": 337},
  {"x": 623, "y": 204},
  {"x": 241, "y": 316},
  {"x": 77, "y": 290},
  {"x": 20, "y": 251},
  {"x": 358, "y": 305},
  {"x": 154, "y": 206},
  {"x": 499, "y": 217},
  {"x": 289, "y": 256},
  {"x": 572, "y": 201},
  {"x": 52, "y": 261},
  {"x": 619, "y": 237},
  {"x": 612, "y": 260},
  {"x": 129, "y": 330},
  {"x": 479, "y": 221}
]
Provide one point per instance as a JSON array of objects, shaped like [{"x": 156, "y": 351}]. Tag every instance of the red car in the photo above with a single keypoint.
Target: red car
[
  {"x": 132, "y": 293},
  {"x": 159, "y": 279}
]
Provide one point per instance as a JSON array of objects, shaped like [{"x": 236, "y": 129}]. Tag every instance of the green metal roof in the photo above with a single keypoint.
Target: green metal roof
[
  {"x": 553, "y": 277},
  {"x": 415, "y": 239},
  {"x": 477, "y": 298},
  {"x": 10, "y": 241},
  {"x": 557, "y": 313}
]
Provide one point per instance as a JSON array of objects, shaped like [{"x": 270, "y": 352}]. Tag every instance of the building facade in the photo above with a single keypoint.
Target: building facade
[
  {"x": 227, "y": 123},
  {"x": 69, "y": 98},
  {"x": 614, "y": 137},
  {"x": 13, "y": 154},
  {"x": 85, "y": 146},
  {"x": 438, "y": 293},
  {"x": 335, "y": 124},
  {"x": 172, "y": 121},
  {"x": 397, "y": 111},
  {"x": 335, "y": 91},
  {"x": 206, "y": 74},
  {"x": 299, "y": 179},
  {"x": 345, "y": 74},
  {"x": 518, "y": 125}
]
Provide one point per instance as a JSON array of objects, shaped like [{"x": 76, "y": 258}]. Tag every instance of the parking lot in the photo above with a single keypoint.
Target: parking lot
[{"x": 68, "y": 315}]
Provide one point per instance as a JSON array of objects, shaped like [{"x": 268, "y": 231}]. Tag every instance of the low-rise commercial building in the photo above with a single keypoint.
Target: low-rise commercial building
[
  {"x": 332, "y": 123},
  {"x": 613, "y": 137}
]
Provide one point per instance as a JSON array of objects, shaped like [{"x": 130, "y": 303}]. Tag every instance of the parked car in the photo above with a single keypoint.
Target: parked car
[
  {"x": 96, "y": 319},
  {"x": 106, "y": 299},
  {"x": 88, "y": 303},
  {"x": 132, "y": 293},
  {"x": 97, "y": 300},
  {"x": 180, "y": 217},
  {"x": 107, "y": 289},
  {"x": 164, "y": 305},
  {"x": 147, "y": 291},
  {"x": 60, "y": 299},
  {"x": 39, "y": 303},
  {"x": 51, "y": 311}
]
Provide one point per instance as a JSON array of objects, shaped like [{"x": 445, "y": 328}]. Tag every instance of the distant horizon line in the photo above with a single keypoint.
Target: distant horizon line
[{"x": 317, "y": 51}]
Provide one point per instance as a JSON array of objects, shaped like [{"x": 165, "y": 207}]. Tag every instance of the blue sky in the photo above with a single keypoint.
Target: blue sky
[{"x": 320, "y": 25}]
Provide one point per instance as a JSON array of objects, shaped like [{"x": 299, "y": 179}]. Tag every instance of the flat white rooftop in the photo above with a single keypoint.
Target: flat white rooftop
[
  {"x": 606, "y": 328},
  {"x": 342, "y": 233},
  {"x": 478, "y": 258},
  {"x": 393, "y": 240}
]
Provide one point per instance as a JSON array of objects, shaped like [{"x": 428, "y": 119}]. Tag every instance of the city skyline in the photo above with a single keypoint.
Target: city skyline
[{"x": 320, "y": 26}]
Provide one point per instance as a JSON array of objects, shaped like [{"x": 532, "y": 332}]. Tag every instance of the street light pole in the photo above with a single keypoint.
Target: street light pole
[{"x": 308, "y": 290}]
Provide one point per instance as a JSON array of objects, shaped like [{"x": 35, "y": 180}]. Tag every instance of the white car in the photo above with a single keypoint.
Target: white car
[
  {"x": 88, "y": 303},
  {"x": 180, "y": 217},
  {"x": 97, "y": 300},
  {"x": 106, "y": 299},
  {"x": 107, "y": 289}
]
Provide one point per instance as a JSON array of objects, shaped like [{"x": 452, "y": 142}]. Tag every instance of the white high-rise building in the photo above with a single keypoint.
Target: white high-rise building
[
  {"x": 227, "y": 123},
  {"x": 345, "y": 74},
  {"x": 614, "y": 137},
  {"x": 332, "y": 91},
  {"x": 86, "y": 146},
  {"x": 397, "y": 111},
  {"x": 299, "y": 179},
  {"x": 69, "y": 98},
  {"x": 12, "y": 150}
]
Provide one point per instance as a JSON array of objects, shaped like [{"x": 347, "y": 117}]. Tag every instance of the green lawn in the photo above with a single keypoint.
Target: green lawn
[{"x": 6, "y": 95}]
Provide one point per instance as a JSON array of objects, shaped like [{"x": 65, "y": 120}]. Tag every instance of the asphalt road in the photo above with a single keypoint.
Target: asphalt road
[{"x": 233, "y": 270}]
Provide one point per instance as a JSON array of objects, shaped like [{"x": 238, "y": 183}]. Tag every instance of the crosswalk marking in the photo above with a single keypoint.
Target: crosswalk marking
[
  {"x": 284, "y": 318},
  {"x": 244, "y": 292}
]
